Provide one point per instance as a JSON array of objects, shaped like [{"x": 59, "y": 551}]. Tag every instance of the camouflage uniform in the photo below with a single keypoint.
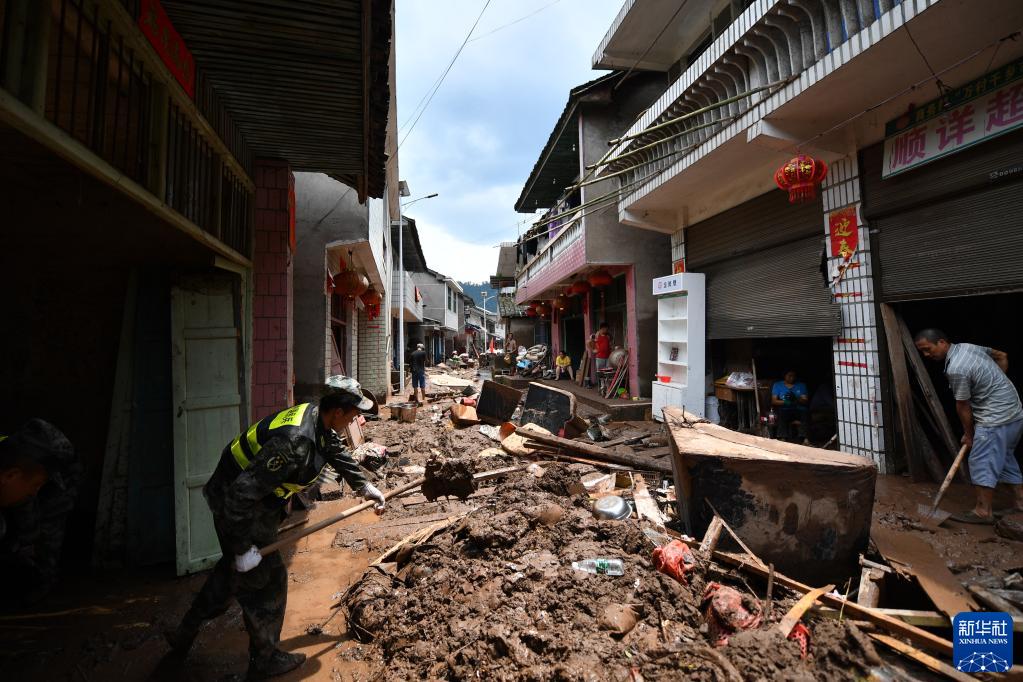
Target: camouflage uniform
[
  {"x": 32, "y": 534},
  {"x": 257, "y": 473}
]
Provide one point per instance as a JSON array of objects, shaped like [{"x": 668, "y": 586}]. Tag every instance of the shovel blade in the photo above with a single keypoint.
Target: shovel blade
[{"x": 931, "y": 516}]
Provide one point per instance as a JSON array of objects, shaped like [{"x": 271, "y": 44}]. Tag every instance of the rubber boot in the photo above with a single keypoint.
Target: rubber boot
[
  {"x": 277, "y": 663},
  {"x": 181, "y": 638}
]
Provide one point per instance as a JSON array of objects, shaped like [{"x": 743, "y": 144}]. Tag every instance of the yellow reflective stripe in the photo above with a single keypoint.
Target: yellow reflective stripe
[
  {"x": 250, "y": 436},
  {"x": 286, "y": 490},
  {"x": 290, "y": 417},
  {"x": 239, "y": 454}
]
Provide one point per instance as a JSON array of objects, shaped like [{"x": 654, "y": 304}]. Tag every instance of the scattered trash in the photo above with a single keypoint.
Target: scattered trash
[
  {"x": 491, "y": 432},
  {"x": 1010, "y": 527},
  {"x": 801, "y": 634},
  {"x": 612, "y": 507},
  {"x": 728, "y": 611},
  {"x": 675, "y": 559},
  {"x": 600, "y": 566},
  {"x": 372, "y": 456}
]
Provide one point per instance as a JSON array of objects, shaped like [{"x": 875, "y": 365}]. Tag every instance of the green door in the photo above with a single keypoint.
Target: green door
[{"x": 207, "y": 390}]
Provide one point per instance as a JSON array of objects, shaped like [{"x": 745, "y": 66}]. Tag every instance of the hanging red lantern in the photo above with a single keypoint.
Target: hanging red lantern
[
  {"x": 579, "y": 288},
  {"x": 543, "y": 309},
  {"x": 531, "y": 311},
  {"x": 560, "y": 303},
  {"x": 800, "y": 177},
  {"x": 371, "y": 297},
  {"x": 350, "y": 283},
  {"x": 600, "y": 278}
]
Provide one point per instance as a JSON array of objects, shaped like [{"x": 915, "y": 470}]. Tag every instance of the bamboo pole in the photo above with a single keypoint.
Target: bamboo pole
[{"x": 640, "y": 150}]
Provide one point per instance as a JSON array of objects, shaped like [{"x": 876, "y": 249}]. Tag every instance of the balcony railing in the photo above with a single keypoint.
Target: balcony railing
[
  {"x": 769, "y": 45},
  {"x": 569, "y": 230},
  {"x": 105, "y": 88}
]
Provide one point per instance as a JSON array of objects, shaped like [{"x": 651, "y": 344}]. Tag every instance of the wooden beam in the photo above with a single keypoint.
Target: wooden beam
[
  {"x": 903, "y": 394},
  {"x": 924, "y": 659},
  {"x": 790, "y": 619},
  {"x": 855, "y": 611}
]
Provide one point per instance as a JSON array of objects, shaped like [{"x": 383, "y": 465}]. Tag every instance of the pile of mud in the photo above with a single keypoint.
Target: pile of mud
[
  {"x": 449, "y": 478},
  {"x": 495, "y": 595}
]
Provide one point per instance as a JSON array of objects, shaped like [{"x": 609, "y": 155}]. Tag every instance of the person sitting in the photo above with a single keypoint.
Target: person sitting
[
  {"x": 790, "y": 399},
  {"x": 563, "y": 365}
]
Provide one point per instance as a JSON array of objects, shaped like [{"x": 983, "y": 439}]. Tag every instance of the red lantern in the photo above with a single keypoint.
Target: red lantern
[
  {"x": 543, "y": 309},
  {"x": 800, "y": 177},
  {"x": 371, "y": 297},
  {"x": 560, "y": 303},
  {"x": 600, "y": 278},
  {"x": 579, "y": 288},
  {"x": 350, "y": 283},
  {"x": 531, "y": 311}
]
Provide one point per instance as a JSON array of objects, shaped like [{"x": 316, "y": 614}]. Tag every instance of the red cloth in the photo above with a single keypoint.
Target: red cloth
[
  {"x": 603, "y": 344},
  {"x": 727, "y": 612},
  {"x": 675, "y": 559}
]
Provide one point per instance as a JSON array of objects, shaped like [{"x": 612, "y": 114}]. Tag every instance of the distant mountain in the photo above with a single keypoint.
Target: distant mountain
[{"x": 476, "y": 290}]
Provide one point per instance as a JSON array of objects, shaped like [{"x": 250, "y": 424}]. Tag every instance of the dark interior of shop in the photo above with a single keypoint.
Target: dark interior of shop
[
  {"x": 810, "y": 357},
  {"x": 983, "y": 320}
]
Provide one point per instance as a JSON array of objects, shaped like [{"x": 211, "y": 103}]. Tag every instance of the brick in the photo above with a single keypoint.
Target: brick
[{"x": 281, "y": 306}]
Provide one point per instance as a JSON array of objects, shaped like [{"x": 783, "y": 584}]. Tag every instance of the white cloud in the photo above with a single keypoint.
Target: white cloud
[{"x": 486, "y": 126}]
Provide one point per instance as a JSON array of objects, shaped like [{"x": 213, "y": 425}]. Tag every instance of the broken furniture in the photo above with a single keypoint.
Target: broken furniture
[
  {"x": 548, "y": 407},
  {"x": 497, "y": 402},
  {"x": 806, "y": 510}
]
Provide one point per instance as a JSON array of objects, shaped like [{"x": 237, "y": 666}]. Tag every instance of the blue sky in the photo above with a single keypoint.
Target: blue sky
[{"x": 484, "y": 129}]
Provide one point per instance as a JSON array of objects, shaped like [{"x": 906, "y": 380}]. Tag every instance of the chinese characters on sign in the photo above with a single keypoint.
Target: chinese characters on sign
[
  {"x": 980, "y": 110},
  {"x": 844, "y": 231},
  {"x": 158, "y": 29},
  {"x": 982, "y": 642}
]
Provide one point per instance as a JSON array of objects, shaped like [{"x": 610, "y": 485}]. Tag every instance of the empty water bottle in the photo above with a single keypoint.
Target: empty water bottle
[{"x": 600, "y": 566}]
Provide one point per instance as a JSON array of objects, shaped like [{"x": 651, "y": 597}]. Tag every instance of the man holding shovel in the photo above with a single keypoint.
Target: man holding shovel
[
  {"x": 989, "y": 409},
  {"x": 258, "y": 472}
]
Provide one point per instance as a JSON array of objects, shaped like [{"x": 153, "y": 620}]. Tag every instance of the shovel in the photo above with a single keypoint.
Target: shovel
[{"x": 932, "y": 515}]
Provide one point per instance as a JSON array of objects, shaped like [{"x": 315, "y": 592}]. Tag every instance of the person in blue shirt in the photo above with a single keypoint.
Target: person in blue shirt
[{"x": 790, "y": 400}]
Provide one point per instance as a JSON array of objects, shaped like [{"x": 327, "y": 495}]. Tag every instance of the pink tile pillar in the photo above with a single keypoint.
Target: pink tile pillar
[{"x": 272, "y": 357}]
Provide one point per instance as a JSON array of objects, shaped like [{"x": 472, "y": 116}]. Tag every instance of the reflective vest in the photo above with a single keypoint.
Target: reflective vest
[{"x": 295, "y": 422}]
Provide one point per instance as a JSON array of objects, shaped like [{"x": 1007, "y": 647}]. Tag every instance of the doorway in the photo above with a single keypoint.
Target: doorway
[{"x": 573, "y": 337}]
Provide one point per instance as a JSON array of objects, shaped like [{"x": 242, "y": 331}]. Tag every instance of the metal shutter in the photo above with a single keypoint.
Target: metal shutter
[
  {"x": 967, "y": 245},
  {"x": 762, "y": 260},
  {"x": 777, "y": 292}
]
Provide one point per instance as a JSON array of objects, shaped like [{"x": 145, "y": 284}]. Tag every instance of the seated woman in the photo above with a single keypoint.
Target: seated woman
[{"x": 790, "y": 400}]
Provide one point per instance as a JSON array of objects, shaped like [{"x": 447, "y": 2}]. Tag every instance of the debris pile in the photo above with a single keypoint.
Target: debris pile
[{"x": 495, "y": 595}]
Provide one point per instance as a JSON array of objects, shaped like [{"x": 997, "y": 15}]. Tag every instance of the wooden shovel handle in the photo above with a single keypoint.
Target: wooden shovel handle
[
  {"x": 950, "y": 475},
  {"x": 352, "y": 511}
]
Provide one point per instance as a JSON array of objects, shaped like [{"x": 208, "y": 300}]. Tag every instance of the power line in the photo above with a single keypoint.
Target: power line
[
  {"x": 512, "y": 23},
  {"x": 440, "y": 81}
]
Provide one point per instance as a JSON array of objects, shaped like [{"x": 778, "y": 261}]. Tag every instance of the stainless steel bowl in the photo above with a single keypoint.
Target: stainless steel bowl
[{"x": 612, "y": 507}]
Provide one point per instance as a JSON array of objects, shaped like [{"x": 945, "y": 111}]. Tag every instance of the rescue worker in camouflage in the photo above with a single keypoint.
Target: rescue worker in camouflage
[
  {"x": 258, "y": 472},
  {"x": 39, "y": 479}
]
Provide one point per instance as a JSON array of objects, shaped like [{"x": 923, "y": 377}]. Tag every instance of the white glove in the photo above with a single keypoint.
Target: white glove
[
  {"x": 370, "y": 492},
  {"x": 243, "y": 563}
]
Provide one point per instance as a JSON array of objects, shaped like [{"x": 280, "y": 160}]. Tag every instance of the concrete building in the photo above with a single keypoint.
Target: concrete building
[
  {"x": 443, "y": 313},
  {"x": 581, "y": 233},
  {"x": 900, "y": 99},
  {"x": 142, "y": 152},
  {"x": 414, "y": 262}
]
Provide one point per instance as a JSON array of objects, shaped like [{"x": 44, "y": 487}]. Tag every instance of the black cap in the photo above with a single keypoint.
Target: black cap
[{"x": 42, "y": 442}]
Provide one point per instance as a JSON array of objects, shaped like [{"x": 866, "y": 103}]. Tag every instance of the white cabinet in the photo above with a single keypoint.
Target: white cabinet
[{"x": 681, "y": 339}]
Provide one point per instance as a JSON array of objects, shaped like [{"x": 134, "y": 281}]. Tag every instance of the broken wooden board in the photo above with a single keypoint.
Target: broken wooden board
[
  {"x": 497, "y": 402},
  {"x": 805, "y": 510},
  {"x": 547, "y": 407},
  {"x": 923, "y": 658},
  {"x": 903, "y": 396},
  {"x": 646, "y": 508},
  {"x": 910, "y": 554}
]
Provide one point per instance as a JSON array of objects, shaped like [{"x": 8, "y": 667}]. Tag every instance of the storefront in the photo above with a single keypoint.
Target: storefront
[{"x": 768, "y": 302}]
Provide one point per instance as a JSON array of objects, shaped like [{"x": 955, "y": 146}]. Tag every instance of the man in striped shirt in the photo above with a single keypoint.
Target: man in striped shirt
[{"x": 989, "y": 408}]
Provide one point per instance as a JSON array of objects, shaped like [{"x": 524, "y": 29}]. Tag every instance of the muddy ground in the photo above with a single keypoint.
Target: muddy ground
[{"x": 492, "y": 595}]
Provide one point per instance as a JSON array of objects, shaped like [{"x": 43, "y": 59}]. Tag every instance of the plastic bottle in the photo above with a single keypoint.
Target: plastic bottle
[{"x": 600, "y": 566}]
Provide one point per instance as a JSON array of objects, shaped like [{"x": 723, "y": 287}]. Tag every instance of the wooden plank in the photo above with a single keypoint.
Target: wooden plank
[
  {"x": 924, "y": 659},
  {"x": 903, "y": 394},
  {"x": 646, "y": 508},
  {"x": 794, "y": 615},
  {"x": 852, "y": 609},
  {"x": 712, "y": 536},
  {"x": 923, "y": 378},
  {"x": 918, "y": 558},
  {"x": 621, "y": 457},
  {"x": 924, "y": 619}
]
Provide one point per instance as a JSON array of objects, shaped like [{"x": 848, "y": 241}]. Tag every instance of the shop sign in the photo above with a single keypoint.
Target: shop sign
[
  {"x": 844, "y": 232},
  {"x": 156, "y": 26},
  {"x": 980, "y": 110},
  {"x": 669, "y": 284}
]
